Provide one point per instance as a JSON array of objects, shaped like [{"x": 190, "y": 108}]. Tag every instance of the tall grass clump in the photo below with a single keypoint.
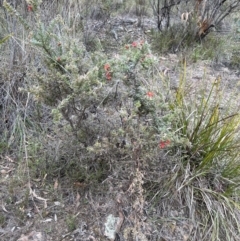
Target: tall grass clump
[{"x": 202, "y": 164}]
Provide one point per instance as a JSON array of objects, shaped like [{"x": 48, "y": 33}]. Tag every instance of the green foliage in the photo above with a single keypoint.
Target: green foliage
[
  {"x": 211, "y": 135},
  {"x": 91, "y": 92},
  {"x": 208, "y": 156},
  {"x": 235, "y": 60},
  {"x": 173, "y": 39},
  {"x": 201, "y": 162},
  {"x": 5, "y": 39},
  {"x": 3, "y": 147},
  {"x": 15, "y": 13},
  {"x": 181, "y": 39},
  {"x": 2, "y": 219},
  {"x": 71, "y": 223},
  {"x": 211, "y": 48},
  {"x": 77, "y": 80}
]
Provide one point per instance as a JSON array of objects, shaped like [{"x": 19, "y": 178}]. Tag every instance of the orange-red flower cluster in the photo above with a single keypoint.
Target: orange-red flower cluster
[
  {"x": 107, "y": 69},
  {"x": 29, "y": 8},
  {"x": 163, "y": 144},
  {"x": 150, "y": 94},
  {"x": 135, "y": 44}
]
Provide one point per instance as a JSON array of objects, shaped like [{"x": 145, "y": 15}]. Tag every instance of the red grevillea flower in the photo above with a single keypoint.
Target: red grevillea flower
[
  {"x": 108, "y": 75},
  {"x": 29, "y": 8},
  {"x": 150, "y": 94},
  {"x": 106, "y": 67},
  {"x": 134, "y": 44},
  {"x": 163, "y": 144}
]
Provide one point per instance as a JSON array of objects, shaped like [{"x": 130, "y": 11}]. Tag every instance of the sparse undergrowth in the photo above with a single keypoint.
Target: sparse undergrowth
[{"x": 112, "y": 124}]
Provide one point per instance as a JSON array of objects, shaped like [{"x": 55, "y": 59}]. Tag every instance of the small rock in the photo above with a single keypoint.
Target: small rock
[
  {"x": 33, "y": 236},
  {"x": 111, "y": 226}
]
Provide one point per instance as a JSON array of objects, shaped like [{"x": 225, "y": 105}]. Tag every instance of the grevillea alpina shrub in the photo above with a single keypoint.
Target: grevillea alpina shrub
[
  {"x": 104, "y": 100},
  {"x": 78, "y": 83}
]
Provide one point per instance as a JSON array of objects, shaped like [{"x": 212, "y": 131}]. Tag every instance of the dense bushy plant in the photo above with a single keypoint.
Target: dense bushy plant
[{"x": 103, "y": 99}]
